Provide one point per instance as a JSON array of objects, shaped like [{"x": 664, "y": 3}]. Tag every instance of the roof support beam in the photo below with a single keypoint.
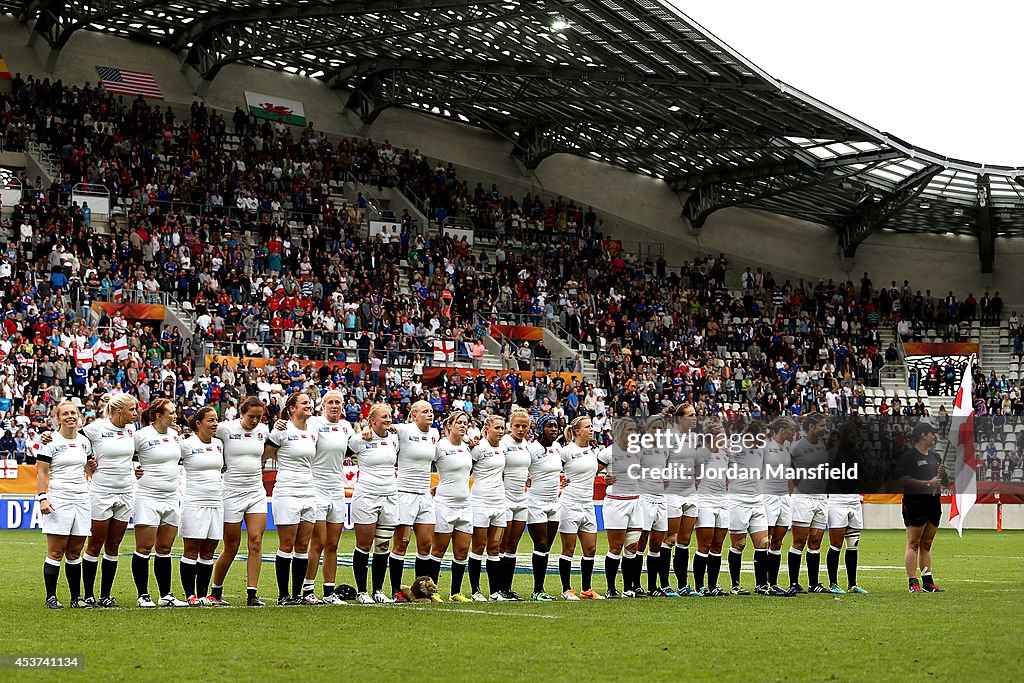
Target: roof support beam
[
  {"x": 876, "y": 207},
  {"x": 986, "y": 224}
]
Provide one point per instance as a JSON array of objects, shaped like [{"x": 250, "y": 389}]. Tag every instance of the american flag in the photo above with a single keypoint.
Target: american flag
[{"x": 125, "y": 82}]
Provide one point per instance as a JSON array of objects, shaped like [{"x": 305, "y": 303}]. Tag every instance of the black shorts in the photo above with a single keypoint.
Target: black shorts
[{"x": 919, "y": 510}]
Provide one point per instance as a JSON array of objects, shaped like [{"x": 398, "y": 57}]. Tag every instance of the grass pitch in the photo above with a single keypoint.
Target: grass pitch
[{"x": 969, "y": 633}]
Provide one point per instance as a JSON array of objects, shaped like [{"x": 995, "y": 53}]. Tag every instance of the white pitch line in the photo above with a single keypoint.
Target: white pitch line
[{"x": 479, "y": 611}]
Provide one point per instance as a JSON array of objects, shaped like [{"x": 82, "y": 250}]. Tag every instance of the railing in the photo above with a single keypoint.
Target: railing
[
  {"x": 47, "y": 160},
  {"x": 327, "y": 352}
]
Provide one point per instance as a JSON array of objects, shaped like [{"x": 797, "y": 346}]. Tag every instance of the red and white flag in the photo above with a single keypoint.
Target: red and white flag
[
  {"x": 120, "y": 347},
  {"x": 961, "y": 432},
  {"x": 444, "y": 350},
  {"x": 126, "y": 82},
  {"x": 83, "y": 357},
  {"x": 102, "y": 352}
]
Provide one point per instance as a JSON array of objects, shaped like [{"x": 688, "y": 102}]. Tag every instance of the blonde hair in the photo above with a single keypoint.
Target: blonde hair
[
  {"x": 376, "y": 408},
  {"x": 519, "y": 412},
  {"x": 118, "y": 402},
  {"x": 61, "y": 404},
  {"x": 620, "y": 427},
  {"x": 452, "y": 417},
  {"x": 570, "y": 431}
]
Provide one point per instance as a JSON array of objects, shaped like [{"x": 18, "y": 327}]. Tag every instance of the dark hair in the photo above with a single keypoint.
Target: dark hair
[
  {"x": 680, "y": 409},
  {"x": 193, "y": 422},
  {"x": 250, "y": 402},
  {"x": 289, "y": 404},
  {"x": 149, "y": 415}
]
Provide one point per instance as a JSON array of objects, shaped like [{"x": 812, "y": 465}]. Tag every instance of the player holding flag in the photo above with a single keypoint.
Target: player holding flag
[{"x": 961, "y": 430}]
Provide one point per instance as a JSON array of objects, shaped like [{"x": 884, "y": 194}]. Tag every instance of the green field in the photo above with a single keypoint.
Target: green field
[{"x": 972, "y": 632}]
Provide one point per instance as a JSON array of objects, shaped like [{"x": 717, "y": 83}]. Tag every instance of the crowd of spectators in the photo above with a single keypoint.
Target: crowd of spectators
[{"x": 243, "y": 226}]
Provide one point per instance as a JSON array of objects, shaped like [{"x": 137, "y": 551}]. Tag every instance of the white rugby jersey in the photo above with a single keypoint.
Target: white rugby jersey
[
  {"x": 652, "y": 459},
  {"x": 67, "y": 458},
  {"x": 810, "y": 455},
  {"x": 415, "y": 454},
  {"x": 775, "y": 455},
  {"x": 617, "y": 462},
  {"x": 243, "y": 454},
  {"x": 545, "y": 471},
  {"x": 683, "y": 461},
  {"x": 376, "y": 459},
  {"x": 745, "y": 489},
  {"x": 113, "y": 447},
  {"x": 488, "y": 474},
  {"x": 158, "y": 455},
  {"x": 296, "y": 449},
  {"x": 331, "y": 447},
  {"x": 579, "y": 463},
  {"x": 713, "y": 486},
  {"x": 517, "y": 468},
  {"x": 203, "y": 480},
  {"x": 453, "y": 466}
]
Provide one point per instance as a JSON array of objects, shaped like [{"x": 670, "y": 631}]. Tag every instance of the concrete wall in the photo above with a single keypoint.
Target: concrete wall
[{"x": 636, "y": 208}]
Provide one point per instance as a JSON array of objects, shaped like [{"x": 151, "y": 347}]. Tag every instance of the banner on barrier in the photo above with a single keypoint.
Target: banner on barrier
[{"x": 152, "y": 312}]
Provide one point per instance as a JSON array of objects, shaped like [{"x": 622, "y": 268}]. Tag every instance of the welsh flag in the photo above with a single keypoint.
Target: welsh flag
[
  {"x": 275, "y": 108},
  {"x": 961, "y": 432}
]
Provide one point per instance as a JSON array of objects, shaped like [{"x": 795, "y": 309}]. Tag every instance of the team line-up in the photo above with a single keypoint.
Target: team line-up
[{"x": 93, "y": 480}]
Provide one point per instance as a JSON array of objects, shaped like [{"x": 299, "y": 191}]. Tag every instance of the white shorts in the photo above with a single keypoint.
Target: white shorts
[
  {"x": 485, "y": 516},
  {"x": 810, "y": 511},
  {"x": 622, "y": 513},
  {"x": 415, "y": 508},
  {"x": 744, "y": 519},
  {"x": 655, "y": 511},
  {"x": 447, "y": 520},
  {"x": 516, "y": 511},
  {"x": 716, "y": 516},
  {"x": 845, "y": 516},
  {"x": 574, "y": 518},
  {"x": 110, "y": 505},
  {"x": 289, "y": 510},
  {"x": 331, "y": 506},
  {"x": 156, "y": 512},
  {"x": 778, "y": 510},
  {"x": 681, "y": 506},
  {"x": 540, "y": 511},
  {"x": 201, "y": 522},
  {"x": 68, "y": 518},
  {"x": 370, "y": 508},
  {"x": 238, "y": 504}
]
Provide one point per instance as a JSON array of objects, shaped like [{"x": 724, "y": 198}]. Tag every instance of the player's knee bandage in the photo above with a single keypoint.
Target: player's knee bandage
[
  {"x": 632, "y": 538},
  {"x": 852, "y": 538},
  {"x": 382, "y": 539}
]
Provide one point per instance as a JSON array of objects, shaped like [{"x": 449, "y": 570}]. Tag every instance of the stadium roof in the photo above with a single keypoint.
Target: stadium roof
[{"x": 631, "y": 82}]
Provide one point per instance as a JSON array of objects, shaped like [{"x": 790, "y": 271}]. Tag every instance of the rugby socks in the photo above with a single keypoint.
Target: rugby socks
[
  {"x": 89, "y": 566},
  {"x": 396, "y": 568},
  {"x": 204, "y": 572},
  {"x": 495, "y": 575},
  {"x": 458, "y": 571},
  {"x": 565, "y": 572},
  {"x": 109, "y": 572},
  {"x": 760, "y": 566},
  {"x": 680, "y": 563},
  {"x": 475, "y": 566},
  {"x": 653, "y": 569},
  {"x": 665, "y": 566},
  {"x": 328, "y": 589},
  {"x": 774, "y": 562},
  {"x": 73, "y": 573},
  {"x": 283, "y": 565},
  {"x": 714, "y": 568},
  {"x": 832, "y": 564},
  {"x": 700, "y": 563},
  {"x": 851, "y": 566},
  {"x": 540, "y": 570},
  {"x": 735, "y": 565},
  {"x": 360, "y": 560},
  {"x": 432, "y": 567},
  {"x": 162, "y": 572},
  {"x": 308, "y": 586},
  {"x": 795, "y": 557},
  {"x": 813, "y": 563},
  {"x": 217, "y": 591},
  {"x": 51, "y": 572},
  {"x": 926, "y": 577},
  {"x": 250, "y": 592},
  {"x": 300, "y": 563},
  {"x": 422, "y": 566},
  {"x": 587, "y": 569},
  {"x": 611, "y": 569},
  {"x": 140, "y": 572},
  {"x": 378, "y": 568},
  {"x": 508, "y": 570},
  {"x": 632, "y": 567},
  {"x": 187, "y": 569}
]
